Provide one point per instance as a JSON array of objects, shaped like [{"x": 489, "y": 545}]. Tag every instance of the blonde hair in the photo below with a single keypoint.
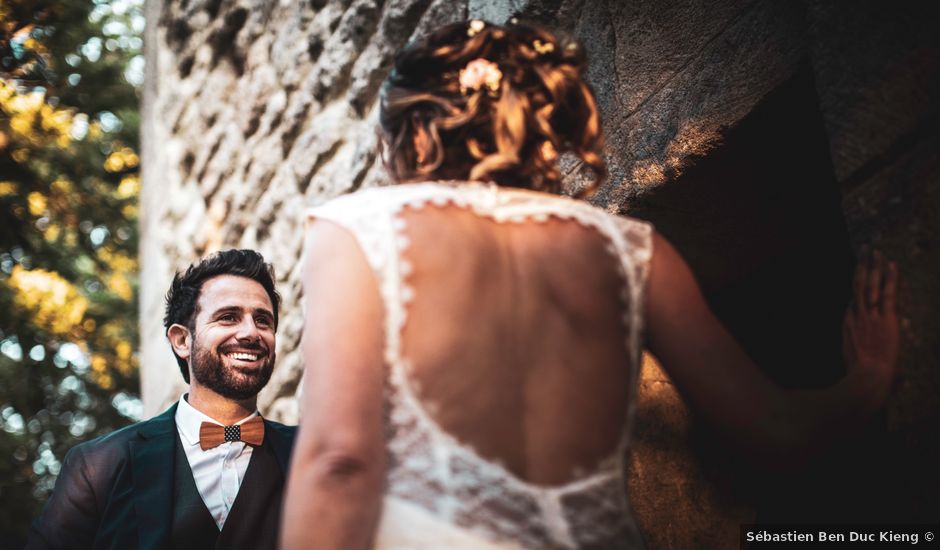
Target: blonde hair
[{"x": 512, "y": 134}]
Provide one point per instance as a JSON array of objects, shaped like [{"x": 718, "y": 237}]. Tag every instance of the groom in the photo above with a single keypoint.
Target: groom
[{"x": 208, "y": 472}]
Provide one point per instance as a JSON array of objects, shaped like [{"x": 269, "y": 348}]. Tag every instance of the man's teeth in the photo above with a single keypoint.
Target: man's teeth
[{"x": 244, "y": 356}]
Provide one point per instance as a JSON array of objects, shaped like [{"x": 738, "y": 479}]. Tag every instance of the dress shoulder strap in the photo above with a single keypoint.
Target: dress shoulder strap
[
  {"x": 633, "y": 240},
  {"x": 370, "y": 215},
  {"x": 365, "y": 217}
]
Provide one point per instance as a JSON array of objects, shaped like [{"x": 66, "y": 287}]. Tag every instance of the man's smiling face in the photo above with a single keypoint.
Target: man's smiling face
[{"x": 233, "y": 337}]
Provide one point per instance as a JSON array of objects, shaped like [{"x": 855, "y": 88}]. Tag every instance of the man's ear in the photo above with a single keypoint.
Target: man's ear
[{"x": 180, "y": 338}]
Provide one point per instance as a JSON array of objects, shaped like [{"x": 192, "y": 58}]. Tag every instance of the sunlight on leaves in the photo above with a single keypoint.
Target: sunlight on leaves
[{"x": 53, "y": 302}]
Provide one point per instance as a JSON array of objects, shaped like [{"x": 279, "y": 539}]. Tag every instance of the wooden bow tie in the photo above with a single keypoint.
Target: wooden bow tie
[{"x": 212, "y": 435}]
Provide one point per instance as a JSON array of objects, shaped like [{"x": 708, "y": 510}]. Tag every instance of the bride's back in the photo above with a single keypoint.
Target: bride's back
[
  {"x": 515, "y": 338},
  {"x": 501, "y": 380},
  {"x": 507, "y": 355}
]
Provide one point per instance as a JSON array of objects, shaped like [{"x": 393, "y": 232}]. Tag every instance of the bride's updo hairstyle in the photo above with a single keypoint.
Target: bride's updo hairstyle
[{"x": 482, "y": 102}]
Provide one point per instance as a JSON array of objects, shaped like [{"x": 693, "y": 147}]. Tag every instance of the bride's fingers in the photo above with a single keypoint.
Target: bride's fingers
[{"x": 875, "y": 276}]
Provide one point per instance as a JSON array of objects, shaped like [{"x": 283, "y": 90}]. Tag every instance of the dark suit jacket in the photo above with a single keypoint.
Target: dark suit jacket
[{"x": 116, "y": 491}]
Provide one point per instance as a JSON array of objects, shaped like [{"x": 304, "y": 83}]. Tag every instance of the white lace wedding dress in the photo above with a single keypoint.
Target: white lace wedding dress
[{"x": 440, "y": 493}]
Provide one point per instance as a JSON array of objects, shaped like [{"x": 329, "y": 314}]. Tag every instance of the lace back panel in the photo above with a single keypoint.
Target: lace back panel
[{"x": 431, "y": 468}]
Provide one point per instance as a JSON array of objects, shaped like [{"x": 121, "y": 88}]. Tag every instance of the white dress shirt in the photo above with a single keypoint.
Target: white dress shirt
[{"x": 218, "y": 472}]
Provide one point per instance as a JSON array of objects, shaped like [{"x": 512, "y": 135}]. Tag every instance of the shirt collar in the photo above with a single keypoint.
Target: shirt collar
[{"x": 189, "y": 419}]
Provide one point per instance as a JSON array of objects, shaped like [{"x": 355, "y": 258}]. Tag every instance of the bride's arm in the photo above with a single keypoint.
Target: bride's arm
[
  {"x": 776, "y": 426},
  {"x": 337, "y": 471}
]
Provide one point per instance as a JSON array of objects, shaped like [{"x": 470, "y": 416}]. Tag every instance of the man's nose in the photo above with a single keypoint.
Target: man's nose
[{"x": 248, "y": 330}]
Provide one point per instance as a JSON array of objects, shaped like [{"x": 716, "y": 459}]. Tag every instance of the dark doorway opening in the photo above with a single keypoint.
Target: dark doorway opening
[{"x": 759, "y": 219}]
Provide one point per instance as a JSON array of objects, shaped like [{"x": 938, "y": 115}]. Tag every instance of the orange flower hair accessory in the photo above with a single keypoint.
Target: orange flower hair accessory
[
  {"x": 542, "y": 48},
  {"x": 474, "y": 27},
  {"x": 478, "y": 74}
]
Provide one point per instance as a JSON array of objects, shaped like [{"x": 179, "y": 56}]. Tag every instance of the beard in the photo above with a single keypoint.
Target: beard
[{"x": 210, "y": 371}]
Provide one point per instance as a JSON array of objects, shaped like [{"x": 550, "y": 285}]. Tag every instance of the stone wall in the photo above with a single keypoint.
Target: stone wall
[{"x": 768, "y": 140}]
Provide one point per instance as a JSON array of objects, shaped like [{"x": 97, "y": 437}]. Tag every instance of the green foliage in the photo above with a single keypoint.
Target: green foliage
[{"x": 69, "y": 182}]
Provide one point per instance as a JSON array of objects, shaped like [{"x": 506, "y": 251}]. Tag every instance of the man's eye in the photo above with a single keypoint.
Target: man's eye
[
  {"x": 263, "y": 321},
  {"x": 228, "y": 317}
]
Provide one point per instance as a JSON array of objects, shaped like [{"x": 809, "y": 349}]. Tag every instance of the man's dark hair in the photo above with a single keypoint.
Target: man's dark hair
[{"x": 183, "y": 297}]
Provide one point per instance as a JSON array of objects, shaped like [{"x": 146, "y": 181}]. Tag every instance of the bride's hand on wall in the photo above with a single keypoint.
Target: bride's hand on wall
[{"x": 871, "y": 333}]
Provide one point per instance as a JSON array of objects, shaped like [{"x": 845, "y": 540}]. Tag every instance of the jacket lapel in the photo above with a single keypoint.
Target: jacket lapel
[
  {"x": 152, "y": 472},
  {"x": 281, "y": 438}
]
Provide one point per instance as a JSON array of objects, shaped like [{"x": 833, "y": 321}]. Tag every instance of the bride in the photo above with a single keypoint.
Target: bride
[{"x": 473, "y": 339}]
